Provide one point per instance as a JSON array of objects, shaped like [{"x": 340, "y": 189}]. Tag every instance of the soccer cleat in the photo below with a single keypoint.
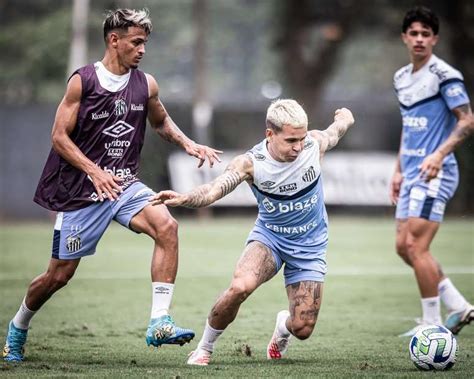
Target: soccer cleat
[
  {"x": 455, "y": 321},
  {"x": 162, "y": 330},
  {"x": 14, "y": 350},
  {"x": 278, "y": 345},
  {"x": 420, "y": 323},
  {"x": 199, "y": 357}
]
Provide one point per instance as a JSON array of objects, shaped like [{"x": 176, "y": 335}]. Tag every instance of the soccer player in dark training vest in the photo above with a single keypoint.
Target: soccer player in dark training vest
[{"x": 91, "y": 176}]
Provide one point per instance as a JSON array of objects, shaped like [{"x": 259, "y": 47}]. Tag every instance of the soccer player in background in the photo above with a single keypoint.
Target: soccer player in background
[
  {"x": 284, "y": 174},
  {"x": 437, "y": 118},
  {"x": 90, "y": 177}
]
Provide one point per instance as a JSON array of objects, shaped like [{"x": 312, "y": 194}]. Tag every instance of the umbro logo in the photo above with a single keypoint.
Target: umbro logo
[
  {"x": 267, "y": 184},
  {"x": 119, "y": 129},
  {"x": 162, "y": 290},
  {"x": 308, "y": 144}
]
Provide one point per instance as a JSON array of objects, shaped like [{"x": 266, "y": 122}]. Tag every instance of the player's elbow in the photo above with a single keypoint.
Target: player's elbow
[
  {"x": 57, "y": 140},
  {"x": 470, "y": 124}
]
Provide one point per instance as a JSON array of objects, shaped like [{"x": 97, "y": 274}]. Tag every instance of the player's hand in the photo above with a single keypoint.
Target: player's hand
[
  {"x": 203, "y": 153},
  {"x": 431, "y": 166},
  {"x": 106, "y": 185},
  {"x": 395, "y": 186},
  {"x": 345, "y": 116},
  {"x": 170, "y": 198}
]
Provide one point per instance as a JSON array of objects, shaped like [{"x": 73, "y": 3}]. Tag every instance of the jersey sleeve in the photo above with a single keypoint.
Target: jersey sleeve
[{"x": 454, "y": 93}]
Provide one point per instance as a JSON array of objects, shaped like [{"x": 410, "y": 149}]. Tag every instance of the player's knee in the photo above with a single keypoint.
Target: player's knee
[
  {"x": 167, "y": 229},
  {"x": 414, "y": 249},
  {"x": 402, "y": 251},
  {"x": 239, "y": 291}
]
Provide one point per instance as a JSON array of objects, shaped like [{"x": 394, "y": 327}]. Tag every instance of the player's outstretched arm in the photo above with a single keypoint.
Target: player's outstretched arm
[
  {"x": 329, "y": 138},
  {"x": 169, "y": 131},
  {"x": 464, "y": 128},
  {"x": 239, "y": 169},
  {"x": 106, "y": 185}
]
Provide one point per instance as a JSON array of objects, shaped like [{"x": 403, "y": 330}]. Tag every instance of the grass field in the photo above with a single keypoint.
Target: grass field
[{"x": 95, "y": 326}]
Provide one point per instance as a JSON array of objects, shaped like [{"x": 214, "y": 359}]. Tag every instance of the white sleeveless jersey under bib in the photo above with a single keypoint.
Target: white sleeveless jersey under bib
[
  {"x": 290, "y": 198},
  {"x": 426, "y": 98}
]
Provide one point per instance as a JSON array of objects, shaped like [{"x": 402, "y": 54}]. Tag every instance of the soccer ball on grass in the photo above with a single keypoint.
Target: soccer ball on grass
[{"x": 433, "y": 347}]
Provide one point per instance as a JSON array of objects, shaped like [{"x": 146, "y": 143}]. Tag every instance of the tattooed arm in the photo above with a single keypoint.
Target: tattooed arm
[
  {"x": 329, "y": 138},
  {"x": 464, "y": 127},
  {"x": 162, "y": 123},
  {"x": 239, "y": 170}
]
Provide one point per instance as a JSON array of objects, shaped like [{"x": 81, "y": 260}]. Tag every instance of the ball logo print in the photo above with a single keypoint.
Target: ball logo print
[{"x": 433, "y": 347}]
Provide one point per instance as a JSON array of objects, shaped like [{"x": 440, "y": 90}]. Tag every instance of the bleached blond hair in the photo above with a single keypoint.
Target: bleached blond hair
[
  {"x": 286, "y": 112},
  {"x": 123, "y": 18}
]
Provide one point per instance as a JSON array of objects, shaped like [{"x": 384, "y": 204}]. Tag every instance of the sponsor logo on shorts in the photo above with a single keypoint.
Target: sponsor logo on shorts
[
  {"x": 454, "y": 91},
  {"x": 413, "y": 205},
  {"x": 119, "y": 129},
  {"x": 309, "y": 175},
  {"x": 73, "y": 243},
  {"x": 120, "y": 107},
  {"x": 438, "y": 207},
  {"x": 136, "y": 107},
  {"x": 288, "y": 187},
  {"x": 98, "y": 116},
  {"x": 417, "y": 194}
]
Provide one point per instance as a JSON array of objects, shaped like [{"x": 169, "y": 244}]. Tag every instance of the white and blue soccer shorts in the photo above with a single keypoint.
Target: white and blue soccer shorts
[
  {"x": 77, "y": 233},
  {"x": 300, "y": 265},
  {"x": 427, "y": 200}
]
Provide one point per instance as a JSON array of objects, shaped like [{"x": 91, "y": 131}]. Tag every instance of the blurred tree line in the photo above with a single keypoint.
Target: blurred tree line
[{"x": 323, "y": 53}]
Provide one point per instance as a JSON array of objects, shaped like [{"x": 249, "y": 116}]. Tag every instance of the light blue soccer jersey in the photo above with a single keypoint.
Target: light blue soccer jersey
[
  {"x": 426, "y": 98},
  {"x": 291, "y": 210}
]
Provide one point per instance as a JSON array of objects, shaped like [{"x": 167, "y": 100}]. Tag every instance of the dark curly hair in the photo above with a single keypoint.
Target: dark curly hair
[{"x": 421, "y": 14}]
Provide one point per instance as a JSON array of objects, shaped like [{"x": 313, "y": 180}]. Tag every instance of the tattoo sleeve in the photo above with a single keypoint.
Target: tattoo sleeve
[
  {"x": 463, "y": 129},
  {"x": 204, "y": 195},
  {"x": 164, "y": 125}
]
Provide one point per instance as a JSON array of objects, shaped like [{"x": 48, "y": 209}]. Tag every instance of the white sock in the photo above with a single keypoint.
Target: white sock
[
  {"x": 209, "y": 337},
  {"x": 161, "y": 300},
  {"x": 23, "y": 317},
  {"x": 431, "y": 310},
  {"x": 450, "y": 296},
  {"x": 282, "y": 330}
]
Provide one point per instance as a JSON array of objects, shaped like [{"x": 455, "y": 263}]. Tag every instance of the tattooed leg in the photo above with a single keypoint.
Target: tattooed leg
[
  {"x": 255, "y": 266},
  {"x": 305, "y": 301}
]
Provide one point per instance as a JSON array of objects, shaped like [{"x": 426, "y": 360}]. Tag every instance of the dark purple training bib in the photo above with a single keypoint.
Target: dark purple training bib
[{"x": 110, "y": 131}]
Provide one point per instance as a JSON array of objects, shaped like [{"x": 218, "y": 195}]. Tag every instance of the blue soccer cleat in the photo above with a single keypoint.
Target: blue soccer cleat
[
  {"x": 162, "y": 330},
  {"x": 455, "y": 321},
  {"x": 14, "y": 346}
]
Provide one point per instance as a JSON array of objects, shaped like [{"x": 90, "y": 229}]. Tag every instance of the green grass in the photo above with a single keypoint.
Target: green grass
[{"x": 95, "y": 326}]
